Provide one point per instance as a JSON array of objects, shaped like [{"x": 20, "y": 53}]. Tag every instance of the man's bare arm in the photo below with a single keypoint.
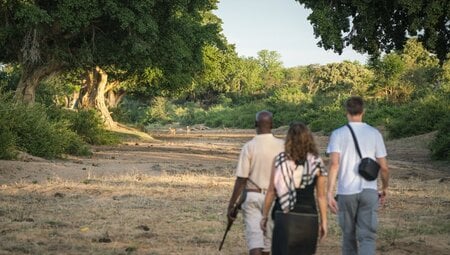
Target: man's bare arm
[
  {"x": 239, "y": 186},
  {"x": 384, "y": 174}
]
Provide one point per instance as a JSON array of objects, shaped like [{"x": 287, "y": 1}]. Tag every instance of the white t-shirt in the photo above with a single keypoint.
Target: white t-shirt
[
  {"x": 371, "y": 145},
  {"x": 256, "y": 159}
]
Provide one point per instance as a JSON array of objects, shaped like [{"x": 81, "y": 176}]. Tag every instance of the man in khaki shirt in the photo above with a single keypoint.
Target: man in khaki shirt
[{"x": 253, "y": 174}]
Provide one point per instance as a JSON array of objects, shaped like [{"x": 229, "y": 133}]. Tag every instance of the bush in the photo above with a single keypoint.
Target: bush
[
  {"x": 7, "y": 140},
  {"x": 286, "y": 113},
  {"x": 9, "y": 77},
  {"x": 290, "y": 94},
  {"x": 129, "y": 111},
  {"x": 418, "y": 117},
  {"x": 75, "y": 145},
  {"x": 88, "y": 125},
  {"x": 242, "y": 116},
  {"x": 158, "y": 111},
  {"x": 381, "y": 113},
  {"x": 39, "y": 131},
  {"x": 327, "y": 120},
  {"x": 8, "y": 137},
  {"x": 440, "y": 147},
  {"x": 37, "y": 135},
  {"x": 189, "y": 114}
]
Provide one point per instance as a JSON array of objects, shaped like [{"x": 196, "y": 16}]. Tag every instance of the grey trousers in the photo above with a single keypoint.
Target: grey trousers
[{"x": 358, "y": 220}]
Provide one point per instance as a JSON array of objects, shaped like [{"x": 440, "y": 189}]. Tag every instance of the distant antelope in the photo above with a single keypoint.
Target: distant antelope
[
  {"x": 188, "y": 130},
  {"x": 172, "y": 131}
]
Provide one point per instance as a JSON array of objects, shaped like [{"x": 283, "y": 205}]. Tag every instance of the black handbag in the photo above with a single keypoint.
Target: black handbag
[{"x": 367, "y": 168}]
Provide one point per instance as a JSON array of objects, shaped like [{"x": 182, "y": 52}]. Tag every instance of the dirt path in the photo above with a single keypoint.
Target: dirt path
[{"x": 169, "y": 197}]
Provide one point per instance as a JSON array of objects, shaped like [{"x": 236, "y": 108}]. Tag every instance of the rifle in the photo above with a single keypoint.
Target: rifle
[{"x": 234, "y": 213}]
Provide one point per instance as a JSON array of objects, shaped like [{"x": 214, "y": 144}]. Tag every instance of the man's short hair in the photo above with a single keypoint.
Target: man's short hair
[
  {"x": 263, "y": 111},
  {"x": 354, "y": 105}
]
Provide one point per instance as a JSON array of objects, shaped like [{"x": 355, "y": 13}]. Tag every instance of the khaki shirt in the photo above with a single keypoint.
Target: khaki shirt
[{"x": 256, "y": 160}]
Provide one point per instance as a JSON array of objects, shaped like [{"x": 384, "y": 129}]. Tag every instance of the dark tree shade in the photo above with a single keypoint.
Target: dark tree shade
[{"x": 376, "y": 26}]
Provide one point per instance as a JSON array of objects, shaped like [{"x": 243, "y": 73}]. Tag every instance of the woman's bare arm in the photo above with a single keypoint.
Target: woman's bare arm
[
  {"x": 321, "y": 194},
  {"x": 270, "y": 196}
]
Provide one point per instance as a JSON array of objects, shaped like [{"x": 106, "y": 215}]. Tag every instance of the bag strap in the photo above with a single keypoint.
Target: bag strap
[
  {"x": 354, "y": 139},
  {"x": 256, "y": 185}
]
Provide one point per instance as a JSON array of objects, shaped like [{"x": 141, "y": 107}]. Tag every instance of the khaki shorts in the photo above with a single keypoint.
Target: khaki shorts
[{"x": 252, "y": 212}]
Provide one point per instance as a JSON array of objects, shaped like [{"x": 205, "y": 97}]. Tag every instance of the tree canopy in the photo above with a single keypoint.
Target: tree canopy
[
  {"x": 48, "y": 36},
  {"x": 381, "y": 26}
]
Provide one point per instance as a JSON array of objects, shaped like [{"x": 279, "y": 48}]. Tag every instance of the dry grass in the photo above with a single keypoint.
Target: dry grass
[
  {"x": 140, "y": 214},
  {"x": 149, "y": 204}
]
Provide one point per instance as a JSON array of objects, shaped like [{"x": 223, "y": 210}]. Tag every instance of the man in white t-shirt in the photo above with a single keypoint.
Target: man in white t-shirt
[
  {"x": 357, "y": 199},
  {"x": 253, "y": 174}
]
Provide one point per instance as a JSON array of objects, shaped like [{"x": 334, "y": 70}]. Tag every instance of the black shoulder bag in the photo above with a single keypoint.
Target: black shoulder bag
[{"x": 368, "y": 168}]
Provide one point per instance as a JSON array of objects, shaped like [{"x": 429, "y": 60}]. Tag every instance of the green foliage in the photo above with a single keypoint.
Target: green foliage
[
  {"x": 440, "y": 147},
  {"x": 380, "y": 26},
  {"x": 58, "y": 89},
  {"x": 242, "y": 116},
  {"x": 327, "y": 120},
  {"x": 48, "y": 132},
  {"x": 190, "y": 114},
  {"x": 381, "y": 113},
  {"x": 224, "y": 72},
  {"x": 107, "y": 31},
  {"x": 158, "y": 41},
  {"x": 272, "y": 67},
  {"x": 29, "y": 128},
  {"x": 406, "y": 91},
  {"x": 129, "y": 111},
  {"x": 407, "y": 75},
  {"x": 8, "y": 138},
  {"x": 415, "y": 55},
  {"x": 9, "y": 77},
  {"x": 88, "y": 125},
  {"x": 290, "y": 94},
  {"x": 419, "y": 117},
  {"x": 285, "y": 113},
  {"x": 340, "y": 79},
  {"x": 7, "y": 143},
  {"x": 36, "y": 135},
  {"x": 158, "y": 111}
]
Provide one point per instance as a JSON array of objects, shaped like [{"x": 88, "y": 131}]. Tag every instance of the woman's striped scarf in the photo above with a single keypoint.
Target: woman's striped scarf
[{"x": 289, "y": 175}]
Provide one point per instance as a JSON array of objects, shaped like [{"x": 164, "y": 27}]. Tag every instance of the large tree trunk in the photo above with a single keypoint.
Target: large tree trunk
[
  {"x": 92, "y": 95},
  {"x": 114, "y": 95},
  {"x": 30, "y": 79}
]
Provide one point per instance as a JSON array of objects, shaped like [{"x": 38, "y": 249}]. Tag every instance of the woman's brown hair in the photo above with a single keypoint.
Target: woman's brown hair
[{"x": 299, "y": 141}]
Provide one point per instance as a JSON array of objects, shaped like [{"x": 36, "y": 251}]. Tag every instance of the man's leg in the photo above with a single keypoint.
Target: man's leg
[
  {"x": 367, "y": 221},
  {"x": 348, "y": 206},
  {"x": 268, "y": 235},
  {"x": 252, "y": 218}
]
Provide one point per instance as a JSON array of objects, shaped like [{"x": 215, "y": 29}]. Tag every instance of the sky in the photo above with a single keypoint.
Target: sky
[{"x": 276, "y": 25}]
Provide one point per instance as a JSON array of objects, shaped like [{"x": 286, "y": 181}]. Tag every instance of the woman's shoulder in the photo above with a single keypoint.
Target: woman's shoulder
[
  {"x": 281, "y": 156},
  {"x": 312, "y": 157}
]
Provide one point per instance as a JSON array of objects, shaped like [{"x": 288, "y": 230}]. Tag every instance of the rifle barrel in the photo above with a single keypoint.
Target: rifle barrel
[{"x": 225, "y": 234}]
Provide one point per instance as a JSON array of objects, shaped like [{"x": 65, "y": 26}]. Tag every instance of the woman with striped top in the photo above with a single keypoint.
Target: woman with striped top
[{"x": 296, "y": 174}]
